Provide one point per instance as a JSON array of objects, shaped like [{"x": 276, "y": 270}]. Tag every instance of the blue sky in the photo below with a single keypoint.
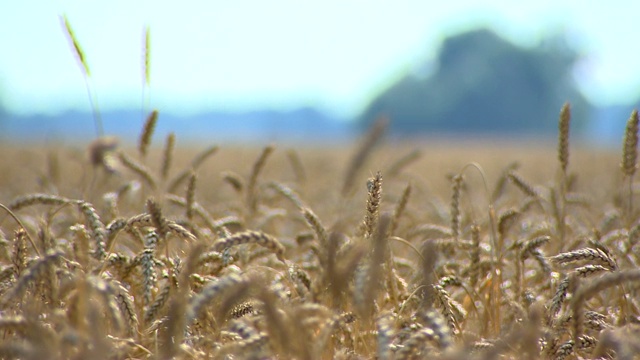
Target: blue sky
[{"x": 283, "y": 54}]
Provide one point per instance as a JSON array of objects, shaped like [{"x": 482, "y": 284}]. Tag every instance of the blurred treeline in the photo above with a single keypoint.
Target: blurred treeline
[{"x": 484, "y": 83}]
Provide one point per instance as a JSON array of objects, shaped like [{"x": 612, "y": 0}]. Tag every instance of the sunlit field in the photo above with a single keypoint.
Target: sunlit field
[
  {"x": 376, "y": 249},
  {"x": 373, "y": 250}
]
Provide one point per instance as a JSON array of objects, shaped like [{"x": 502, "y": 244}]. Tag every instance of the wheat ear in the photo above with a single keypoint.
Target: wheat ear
[
  {"x": 85, "y": 71},
  {"x": 147, "y": 133},
  {"x": 455, "y": 206},
  {"x": 374, "y": 196},
  {"x": 174, "y": 331},
  {"x": 297, "y": 166},
  {"x": 629, "y": 162},
  {"x": 247, "y": 237},
  {"x": 563, "y": 137},
  {"x": 399, "y": 209},
  {"x": 252, "y": 199},
  {"x": 195, "y": 164},
  {"x": 594, "y": 287},
  {"x": 167, "y": 155},
  {"x": 146, "y": 52},
  {"x": 364, "y": 151},
  {"x": 139, "y": 169},
  {"x": 397, "y": 166},
  {"x": 191, "y": 195},
  {"x": 563, "y": 158}
]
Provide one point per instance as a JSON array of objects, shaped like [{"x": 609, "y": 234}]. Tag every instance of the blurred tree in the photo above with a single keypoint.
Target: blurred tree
[{"x": 484, "y": 83}]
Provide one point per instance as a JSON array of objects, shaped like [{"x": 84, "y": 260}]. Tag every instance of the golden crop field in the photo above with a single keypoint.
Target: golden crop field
[{"x": 371, "y": 251}]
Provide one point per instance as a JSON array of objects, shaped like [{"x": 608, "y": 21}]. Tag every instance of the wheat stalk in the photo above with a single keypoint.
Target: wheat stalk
[
  {"x": 252, "y": 200},
  {"x": 455, "y": 206},
  {"x": 85, "y": 71},
  {"x": 630, "y": 156},
  {"x": 147, "y": 133},
  {"x": 370, "y": 140},
  {"x": 587, "y": 291},
  {"x": 374, "y": 197},
  {"x": 248, "y": 237},
  {"x": 198, "y": 160},
  {"x": 139, "y": 170}
]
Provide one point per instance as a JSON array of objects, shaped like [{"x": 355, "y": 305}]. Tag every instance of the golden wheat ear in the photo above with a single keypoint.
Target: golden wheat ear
[
  {"x": 147, "y": 133},
  {"x": 563, "y": 137},
  {"x": 146, "y": 52},
  {"x": 84, "y": 66}
]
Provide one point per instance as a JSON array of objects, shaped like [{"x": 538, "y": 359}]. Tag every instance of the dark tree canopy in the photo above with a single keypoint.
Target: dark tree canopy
[{"x": 484, "y": 83}]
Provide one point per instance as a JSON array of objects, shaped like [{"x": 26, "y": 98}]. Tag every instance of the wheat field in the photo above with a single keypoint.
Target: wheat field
[{"x": 377, "y": 250}]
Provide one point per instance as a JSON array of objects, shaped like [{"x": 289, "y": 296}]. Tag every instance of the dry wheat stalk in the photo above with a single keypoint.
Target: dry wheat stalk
[
  {"x": 398, "y": 165},
  {"x": 76, "y": 45},
  {"x": 195, "y": 164},
  {"x": 416, "y": 344},
  {"x": 252, "y": 200},
  {"x": 630, "y": 145},
  {"x": 248, "y": 237},
  {"x": 84, "y": 65},
  {"x": 374, "y": 196},
  {"x": 384, "y": 327},
  {"x": 214, "y": 225},
  {"x": 596, "y": 286},
  {"x": 158, "y": 303},
  {"x": 367, "y": 295},
  {"x": 297, "y": 165},
  {"x": 157, "y": 219},
  {"x": 629, "y": 162},
  {"x": 19, "y": 258},
  {"x": 38, "y": 199},
  {"x": 563, "y": 137},
  {"x": 191, "y": 195},
  {"x": 167, "y": 155},
  {"x": 101, "y": 153},
  {"x": 31, "y": 274},
  {"x": 287, "y": 193},
  {"x": 400, "y": 208},
  {"x": 506, "y": 219},
  {"x": 456, "y": 185},
  {"x": 96, "y": 227},
  {"x": 139, "y": 170},
  {"x": 125, "y": 304},
  {"x": 233, "y": 179},
  {"x": 449, "y": 309},
  {"x": 146, "y": 62},
  {"x": 316, "y": 225},
  {"x": 521, "y": 184},
  {"x": 209, "y": 292},
  {"x": 370, "y": 140},
  {"x": 173, "y": 333},
  {"x": 431, "y": 231},
  {"x": 593, "y": 256},
  {"x": 531, "y": 245},
  {"x": 147, "y": 133}
]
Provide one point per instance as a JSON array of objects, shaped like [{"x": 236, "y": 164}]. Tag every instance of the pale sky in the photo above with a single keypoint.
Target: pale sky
[{"x": 282, "y": 54}]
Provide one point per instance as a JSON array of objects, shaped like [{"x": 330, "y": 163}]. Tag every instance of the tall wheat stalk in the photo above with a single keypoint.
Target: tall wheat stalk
[
  {"x": 629, "y": 162},
  {"x": 146, "y": 69},
  {"x": 84, "y": 66},
  {"x": 563, "y": 157}
]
